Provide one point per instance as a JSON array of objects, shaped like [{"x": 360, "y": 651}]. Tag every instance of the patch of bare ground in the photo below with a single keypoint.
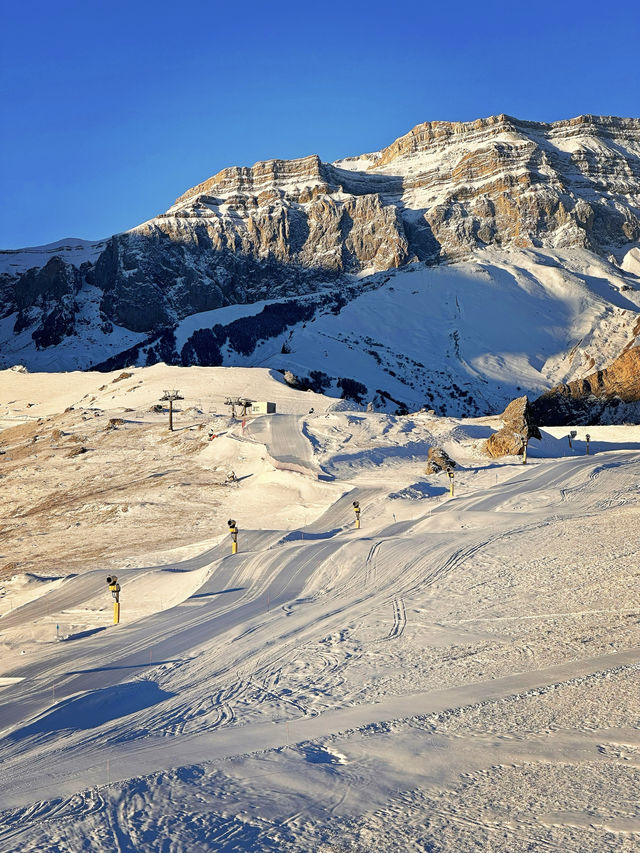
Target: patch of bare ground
[{"x": 80, "y": 489}]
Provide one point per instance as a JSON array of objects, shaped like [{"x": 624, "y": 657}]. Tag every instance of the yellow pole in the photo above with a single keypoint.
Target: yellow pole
[
  {"x": 233, "y": 530},
  {"x": 357, "y": 522},
  {"x": 451, "y": 488},
  {"x": 116, "y": 612}
]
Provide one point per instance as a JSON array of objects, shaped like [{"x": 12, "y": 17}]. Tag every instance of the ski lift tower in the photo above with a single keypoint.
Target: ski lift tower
[
  {"x": 170, "y": 396},
  {"x": 246, "y": 405},
  {"x": 233, "y": 402},
  {"x": 240, "y": 403}
]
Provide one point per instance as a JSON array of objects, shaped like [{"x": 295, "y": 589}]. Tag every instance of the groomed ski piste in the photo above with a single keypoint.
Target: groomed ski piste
[{"x": 461, "y": 673}]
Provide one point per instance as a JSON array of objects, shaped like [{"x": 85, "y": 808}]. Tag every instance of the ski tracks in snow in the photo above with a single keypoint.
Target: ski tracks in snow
[{"x": 399, "y": 619}]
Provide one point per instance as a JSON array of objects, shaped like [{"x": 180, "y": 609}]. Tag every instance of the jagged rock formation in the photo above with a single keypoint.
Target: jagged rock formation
[
  {"x": 509, "y": 182},
  {"x": 519, "y": 426},
  {"x": 444, "y": 192},
  {"x": 606, "y": 396},
  {"x": 436, "y": 194},
  {"x": 48, "y": 295}
]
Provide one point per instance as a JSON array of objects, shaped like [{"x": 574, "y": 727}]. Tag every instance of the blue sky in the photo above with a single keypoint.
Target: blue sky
[{"x": 110, "y": 110}]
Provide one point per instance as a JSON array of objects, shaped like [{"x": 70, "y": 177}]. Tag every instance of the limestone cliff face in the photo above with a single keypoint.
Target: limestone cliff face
[
  {"x": 437, "y": 194},
  {"x": 508, "y": 182},
  {"x": 434, "y": 195},
  {"x": 299, "y": 211}
]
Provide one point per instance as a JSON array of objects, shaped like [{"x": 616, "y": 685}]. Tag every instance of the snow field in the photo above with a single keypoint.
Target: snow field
[
  {"x": 458, "y": 674},
  {"x": 461, "y": 338}
]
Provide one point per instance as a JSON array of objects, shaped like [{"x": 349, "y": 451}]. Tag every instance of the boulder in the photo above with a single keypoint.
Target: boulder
[
  {"x": 77, "y": 451},
  {"x": 505, "y": 442},
  {"x": 519, "y": 418},
  {"x": 291, "y": 379},
  {"x": 438, "y": 460},
  {"x": 518, "y": 426}
]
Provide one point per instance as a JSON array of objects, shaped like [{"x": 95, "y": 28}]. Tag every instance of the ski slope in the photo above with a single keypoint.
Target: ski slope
[{"x": 460, "y": 673}]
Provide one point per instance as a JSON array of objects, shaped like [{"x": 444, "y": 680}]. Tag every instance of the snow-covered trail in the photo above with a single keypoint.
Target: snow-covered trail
[
  {"x": 563, "y": 474},
  {"x": 211, "y": 680},
  {"x": 235, "y": 593},
  {"x": 252, "y": 590},
  {"x": 78, "y": 589},
  {"x": 286, "y": 444},
  {"x": 223, "y": 602},
  {"x": 274, "y": 570},
  {"x": 57, "y": 773}
]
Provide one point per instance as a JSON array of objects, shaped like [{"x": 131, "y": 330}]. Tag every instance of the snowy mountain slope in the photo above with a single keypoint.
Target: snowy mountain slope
[
  {"x": 462, "y": 339},
  {"x": 72, "y": 250},
  {"x": 457, "y": 673},
  {"x": 95, "y": 340},
  {"x": 281, "y": 229}
]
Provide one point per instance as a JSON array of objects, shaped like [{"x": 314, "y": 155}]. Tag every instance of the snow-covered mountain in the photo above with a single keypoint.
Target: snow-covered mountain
[{"x": 335, "y": 271}]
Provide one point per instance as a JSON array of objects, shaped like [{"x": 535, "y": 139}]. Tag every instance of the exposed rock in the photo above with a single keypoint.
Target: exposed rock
[
  {"x": 54, "y": 281},
  {"x": 291, "y": 379},
  {"x": 438, "y": 460},
  {"x": 519, "y": 425},
  {"x": 77, "y": 451},
  {"x": 518, "y": 417},
  {"x": 606, "y": 396},
  {"x": 45, "y": 300},
  {"x": 505, "y": 442},
  {"x": 288, "y": 228},
  {"x": 285, "y": 227},
  {"x": 55, "y": 326}
]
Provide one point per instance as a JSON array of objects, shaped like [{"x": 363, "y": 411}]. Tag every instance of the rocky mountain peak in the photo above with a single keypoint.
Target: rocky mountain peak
[
  {"x": 444, "y": 192},
  {"x": 255, "y": 180},
  {"x": 428, "y": 136},
  {"x": 435, "y": 194}
]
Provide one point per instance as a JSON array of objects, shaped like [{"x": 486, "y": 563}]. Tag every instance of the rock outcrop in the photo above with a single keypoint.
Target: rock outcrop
[
  {"x": 48, "y": 296},
  {"x": 505, "y": 442},
  {"x": 518, "y": 417},
  {"x": 606, "y": 396},
  {"x": 519, "y": 427},
  {"x": 438, "y": 460}
]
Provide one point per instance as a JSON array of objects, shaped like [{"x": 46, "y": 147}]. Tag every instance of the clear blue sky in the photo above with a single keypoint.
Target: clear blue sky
[{"x": 110, "y": 110}]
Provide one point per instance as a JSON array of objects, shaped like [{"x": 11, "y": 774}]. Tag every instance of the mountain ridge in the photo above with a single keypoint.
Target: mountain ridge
[{"x": 444, "y": 193}]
